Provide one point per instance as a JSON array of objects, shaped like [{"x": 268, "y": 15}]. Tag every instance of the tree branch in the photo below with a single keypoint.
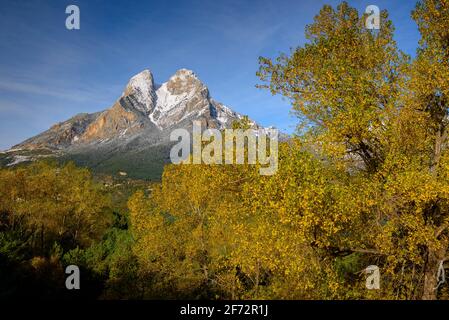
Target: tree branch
[{"x": 368, "y": 251}]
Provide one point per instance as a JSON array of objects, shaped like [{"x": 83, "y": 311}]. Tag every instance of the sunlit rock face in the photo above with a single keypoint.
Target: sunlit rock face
[{"x": 137, "y": 126}]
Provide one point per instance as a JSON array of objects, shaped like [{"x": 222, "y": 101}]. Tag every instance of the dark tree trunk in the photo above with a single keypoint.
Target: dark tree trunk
[{"x": 434, "y": 257}]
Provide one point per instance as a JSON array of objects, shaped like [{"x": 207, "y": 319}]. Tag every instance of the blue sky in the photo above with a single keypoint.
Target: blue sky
[{"x": 48, "y": 73}]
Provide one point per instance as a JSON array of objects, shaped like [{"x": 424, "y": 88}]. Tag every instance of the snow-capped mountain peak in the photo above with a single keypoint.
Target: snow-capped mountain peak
[
  {"x": 144, "y": 111},
  {"x": 140, "y": 91},
  {"x": 181, "y": 96},
  {"x": 134, "y": 133}
]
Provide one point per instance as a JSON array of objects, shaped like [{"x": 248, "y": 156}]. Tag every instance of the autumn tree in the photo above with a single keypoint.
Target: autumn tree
[
  {"x": 343, "y": 83},
  {"x": 53, "y": 203},
  {"x": 429, "y": 88},
  {"x": 179, "y": 232},
  {"x": 383, "y": 122},
  {"x": 45, "y": 211}
]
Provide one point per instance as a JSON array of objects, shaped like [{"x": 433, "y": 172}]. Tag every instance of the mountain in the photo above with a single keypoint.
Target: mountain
[{"x": 131, "y": 136}]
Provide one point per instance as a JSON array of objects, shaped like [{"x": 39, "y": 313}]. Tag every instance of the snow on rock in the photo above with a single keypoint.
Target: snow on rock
[
  {"x": 13, "y": 150},
  {"x": 181, "y": 97},
  {"x": 167, "y": 100},
  {"x": 141, "y": 88},
  {"x": 133, "y": 117},
  {"x": 178, "y": 98},
  {"x": 18, "y": 159},
  {"x": 225, "y": 115}
]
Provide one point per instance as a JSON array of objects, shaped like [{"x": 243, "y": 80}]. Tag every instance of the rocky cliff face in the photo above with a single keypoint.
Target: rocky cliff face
[
  {"x": 142, "y": 107},
  {"x": 137, "y": 124},
  {"x": 60, "y": 135}
]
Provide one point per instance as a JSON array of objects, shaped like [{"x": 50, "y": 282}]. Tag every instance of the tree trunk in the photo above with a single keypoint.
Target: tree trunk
[
  {"x": 430, "y": 274},
  {"x": 42, "y": 240}
]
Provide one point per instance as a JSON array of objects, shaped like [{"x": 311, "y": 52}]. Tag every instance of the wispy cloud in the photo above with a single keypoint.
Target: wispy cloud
[{"x": 34, "y": 89}]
